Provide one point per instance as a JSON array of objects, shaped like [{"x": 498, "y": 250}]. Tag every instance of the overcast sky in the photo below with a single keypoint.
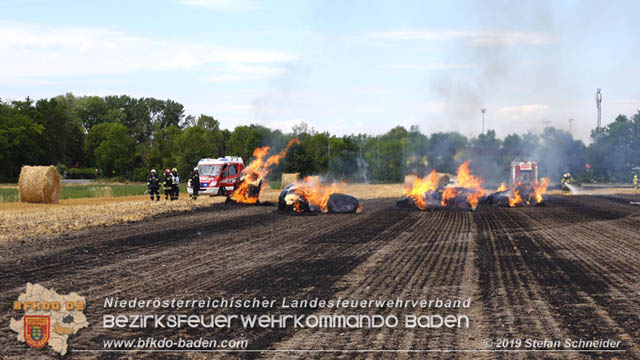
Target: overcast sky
[{"x": 342, "y": 66}]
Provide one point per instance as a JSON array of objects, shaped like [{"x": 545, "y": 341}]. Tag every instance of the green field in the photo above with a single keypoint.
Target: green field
[{"x": 89, "y": 191}]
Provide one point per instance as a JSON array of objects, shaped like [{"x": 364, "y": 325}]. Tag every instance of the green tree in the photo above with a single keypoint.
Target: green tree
[
  {"x": 62, "y": 131},
  {"x": 195, "y": 143},
  {"x": 172, "y": 114},
  {"x": 243, "y": 141},
  {"x": 614, "y": 151},
  {"x": 165, "y": 147},
  {"x": 19, "y": 143},
  {"x": 114, "y": 155},
  {"x": 92, "y": 111}
]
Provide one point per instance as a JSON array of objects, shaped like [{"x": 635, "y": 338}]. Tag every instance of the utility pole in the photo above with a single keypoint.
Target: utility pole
[
  {"x": 599, "y": 106},
  {"x": 483, "y": 110}
]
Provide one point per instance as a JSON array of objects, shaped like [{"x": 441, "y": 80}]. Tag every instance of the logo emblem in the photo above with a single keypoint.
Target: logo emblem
[{"x": 36, "y": 330}]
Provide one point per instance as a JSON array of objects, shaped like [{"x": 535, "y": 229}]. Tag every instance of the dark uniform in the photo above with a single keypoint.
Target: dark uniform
[
  {"x": 175, "y": 189},
  {"x": 153, "y": 183},
  {"x": 195, "y": 184},
  {"x": 167, "y": 181}
]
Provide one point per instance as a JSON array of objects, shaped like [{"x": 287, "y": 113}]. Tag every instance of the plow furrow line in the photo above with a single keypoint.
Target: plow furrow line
[{"x": 575, "y": 292}]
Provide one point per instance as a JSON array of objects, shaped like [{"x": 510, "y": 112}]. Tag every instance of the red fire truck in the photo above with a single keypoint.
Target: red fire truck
[
  {"x": 218, "y": 176},
  {"x": 524, "y": 171}
]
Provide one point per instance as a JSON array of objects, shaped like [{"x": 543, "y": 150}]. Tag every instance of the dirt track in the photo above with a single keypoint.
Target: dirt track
[{"x": 568, "y": 270}]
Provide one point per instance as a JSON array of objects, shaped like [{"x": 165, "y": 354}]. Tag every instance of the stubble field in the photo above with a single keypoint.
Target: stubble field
[{"x": 567, "y": 270}]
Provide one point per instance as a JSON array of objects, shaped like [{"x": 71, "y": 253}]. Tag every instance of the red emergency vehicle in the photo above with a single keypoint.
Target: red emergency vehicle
[
  {"x": 524, "y": 172},
  {"x": 218, "y": 176}
]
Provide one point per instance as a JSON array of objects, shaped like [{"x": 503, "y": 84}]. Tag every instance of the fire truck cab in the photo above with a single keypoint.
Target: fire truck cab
[
  {"x": 524, "y": 172},
  {"x": 218, "y": 176}
]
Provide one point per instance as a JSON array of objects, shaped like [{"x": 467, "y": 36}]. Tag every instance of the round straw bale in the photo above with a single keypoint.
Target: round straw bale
[
  {"x": 39, "y": 184},
  {"x": 443, "y": 179},
  {"x": 289, "y": 179}
]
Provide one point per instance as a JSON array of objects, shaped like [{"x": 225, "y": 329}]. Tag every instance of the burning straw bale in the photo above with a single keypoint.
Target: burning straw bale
[
  {"x": 311, "y": 196},
  {"x": 39, "y": 184},
  {"x": 520, "y": 194},
  {"x": 252, "y": 178},
  {"x": 289, "y": 179},
  {"x": 433, "y": 191}
]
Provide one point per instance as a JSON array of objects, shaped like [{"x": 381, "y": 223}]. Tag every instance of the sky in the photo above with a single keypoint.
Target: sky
[{"x": 341, "y": 66}]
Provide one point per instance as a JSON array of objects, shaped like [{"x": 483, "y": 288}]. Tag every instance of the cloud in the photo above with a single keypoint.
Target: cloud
[
  {"x": 477, "y": 38},
  {"x": 32, "y": 50},
  {"x": 624, "y": 101},
  {"x": 373, "y": 91},
  {"x": 233, "y": 108},
  {"x": 223, "y": 5},
  {"x": 523, "y": 108},
  {"x": 519, "y": 112},
  {"x": 245, "y": 72},
  {"x": 426, "y": 67}
]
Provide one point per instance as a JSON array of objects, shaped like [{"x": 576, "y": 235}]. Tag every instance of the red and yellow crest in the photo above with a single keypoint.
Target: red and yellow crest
[{"x": 36, "y": 330}]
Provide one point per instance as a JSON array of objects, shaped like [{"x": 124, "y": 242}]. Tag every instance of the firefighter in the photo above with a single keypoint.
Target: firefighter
[
  {"x": 167, "y": 182},
  {"x": 635, "y": 182},
  {"x": 566, "y": 180},
  {"x": 195, "y": 183},
  {"x": 153, "y": 183},
  {"x": 175, "y": 189}
]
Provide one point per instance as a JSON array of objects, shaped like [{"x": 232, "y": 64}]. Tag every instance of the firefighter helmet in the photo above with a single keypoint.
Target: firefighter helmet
[
  {"x": 153, "y": 171},
  {"x": 174, "y": 170},
  {"x": 166, "y": 171}
]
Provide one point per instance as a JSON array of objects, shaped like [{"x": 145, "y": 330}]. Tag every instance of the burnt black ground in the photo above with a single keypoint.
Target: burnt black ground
[{"x": 567, "y": 270}]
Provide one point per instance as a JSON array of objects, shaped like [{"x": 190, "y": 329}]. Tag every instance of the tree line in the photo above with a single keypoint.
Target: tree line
[{"x": 124, "y": 137}]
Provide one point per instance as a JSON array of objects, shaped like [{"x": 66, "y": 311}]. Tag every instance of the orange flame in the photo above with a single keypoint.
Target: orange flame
[
  {"x": 316, "y": 193},
  {"x": 502, "y": 187},
  {"x": 541, "y": 188},
  {"x": 415, "y": 188},
  {"x": 466, "y": 180},
  {"x": 254, "y": 174},
  {"x": 516, "y": 199},
  {"x": 449, "y": 193}
]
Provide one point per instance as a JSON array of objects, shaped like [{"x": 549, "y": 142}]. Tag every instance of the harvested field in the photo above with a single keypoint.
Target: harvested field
[
  {"x": 567, "y": 270},
  {"x": 19, "y": 220}
]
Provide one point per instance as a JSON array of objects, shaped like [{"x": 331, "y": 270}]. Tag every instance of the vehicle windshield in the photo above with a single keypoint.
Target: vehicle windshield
[{"x": 209, "y": 170}]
